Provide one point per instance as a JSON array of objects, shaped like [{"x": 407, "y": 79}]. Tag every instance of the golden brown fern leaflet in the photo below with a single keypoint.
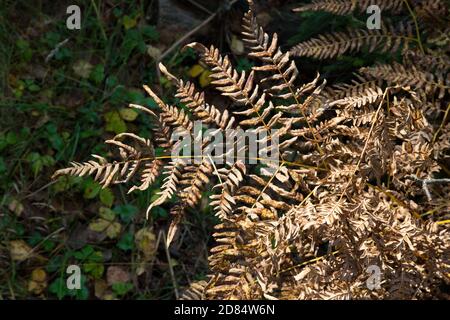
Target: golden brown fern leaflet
[
  {"x": 285, "y": 71},
  {"x": 432, "y": 14},
  {"x": 174, "y": 117},
  {"x": 195, "y": 101},
  {"x": 117, "y": 172},
  {"x": 195, "y": 291},
  {"x": 195, "y": 177},
  {"x": 357, "y": 94},
  {"x": 239, "y": 87},
  {"x": 421, "y": 80},
  {"x": 344, "y": 7},
  {"x": 224, "y": 202},
  {"x": 335, "y": 44},
  {"x": 172, "y": 173}
]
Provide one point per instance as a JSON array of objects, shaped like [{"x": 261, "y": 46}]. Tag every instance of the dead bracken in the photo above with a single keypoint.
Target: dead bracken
[{"x": 341, "y": 199}]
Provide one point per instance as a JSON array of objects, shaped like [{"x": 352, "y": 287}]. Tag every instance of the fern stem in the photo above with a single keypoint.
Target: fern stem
[
  {"x": 442, "y": 124},
  {"x": 374, "y": 119},
  {"x": 306, "y": 262},
  {"x": 267, "y": 184},
  {"x": 413, "y": 16}
]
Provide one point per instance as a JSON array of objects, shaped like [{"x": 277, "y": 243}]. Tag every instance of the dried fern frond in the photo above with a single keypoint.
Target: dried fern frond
[
  {"x": 346, "y": 191},
  {"x": 133, "y": 157},
  {"x": 387, "y": 39},
  {"x": 223, "y": 202},
  {"x": 195, "y": 100},
  {"x": 357, "y": 94},
  {"x": 343, "y": 7},
  {"x": 398, "y": 74}
]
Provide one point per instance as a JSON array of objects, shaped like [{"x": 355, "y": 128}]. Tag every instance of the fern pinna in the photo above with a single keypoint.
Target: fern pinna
[{"x": 346, "y": 196}]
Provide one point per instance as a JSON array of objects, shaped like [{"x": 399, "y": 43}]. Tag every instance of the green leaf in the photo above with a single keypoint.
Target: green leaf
[
  {"x": 106, "y": 224},
  {"x": 59, "y": 288},
  {"x": 159, "y": 212},
  {"x": 91, "y": 189},
  {"x": 150, "y": 33},
  {"x": 98, "y": 73},
  {"x": 126, "y": 212},
  {"x": 84, "y": 253},
  {"x": 106, "y": 197},
  {"x": 38, "y": 162},
  {"x": 33, "y": 87},
  {"x": 107, "y": 214},
  {"x": 95, "y": 266},
  {"x": 121, "y": 288},
  {"x": 114, "y": 122},
  {"x": 54, "y": 264},
  {"x": 129, "y": 22},
  {"x": 128, "y": 114},
  {"x": 126, "y": 243},
  {"x": 2, "y": 165}
]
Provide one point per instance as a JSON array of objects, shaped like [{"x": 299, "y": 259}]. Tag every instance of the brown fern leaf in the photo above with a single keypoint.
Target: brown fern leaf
[
  {"x": 335, "y": 44},
  {"x": 355, "y": 95},
  {"x": 223, "y": 202},
  {"x": 344, "y": 7},
  {"x": 171, "y": 114},
  {"x": 196, "y": 102},
  {"x": 283, "y": 69},
  {"x": 433, "y": 14},
  {"x": 398, "y": 75},
  {"x": 239, "y": 87},
  {"x": 195, "y": 291},
  {"x": 105, "y": 172},
  {"x": 119, "y": 172},
  {"x": 172, "y": 173},
  {"x": 195, "y": 177}
]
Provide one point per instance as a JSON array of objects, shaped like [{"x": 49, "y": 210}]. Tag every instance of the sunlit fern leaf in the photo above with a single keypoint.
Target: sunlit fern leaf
[
  {"x": 223, "y": 203},
  {"x": 239, "y": 87},
  {"x": 344, "y": 7},
  {"x": 172, "y": 173},
  {"x": 421, "y": 80},
  {"x": 194, "y": 178},
  {"x": 354, "y": 95},
  {"x": 120, "y": 171},
  {"x": 195, "y": 100},
  {"x": 335, "y": 44}
]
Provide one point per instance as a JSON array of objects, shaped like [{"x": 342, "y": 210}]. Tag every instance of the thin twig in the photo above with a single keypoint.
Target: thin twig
[
  {"x": 411, "y": 12},
  {"x": 172, "y": 274},
  {"x": 190, "y": 33},
  {"x": 426, "y": 182},
  {"x": 199, "y": 6}
]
